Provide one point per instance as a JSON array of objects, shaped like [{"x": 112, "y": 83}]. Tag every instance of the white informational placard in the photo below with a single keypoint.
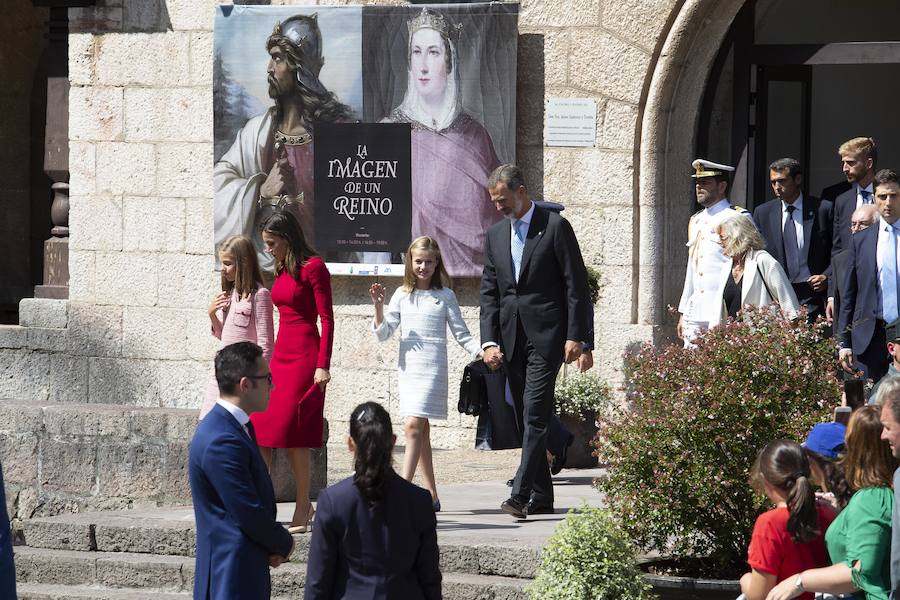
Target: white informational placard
[
  {"x": 570, "y": 122},
  {"x": 344, "y": 268}
]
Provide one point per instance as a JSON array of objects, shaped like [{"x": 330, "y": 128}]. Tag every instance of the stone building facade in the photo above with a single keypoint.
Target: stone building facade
[{"x": 134, "y": 331}]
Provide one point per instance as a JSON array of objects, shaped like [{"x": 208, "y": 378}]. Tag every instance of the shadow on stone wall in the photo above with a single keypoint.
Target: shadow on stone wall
[
  {"x": 530, "y": 111},
  {"x": 121, "y": 16}
]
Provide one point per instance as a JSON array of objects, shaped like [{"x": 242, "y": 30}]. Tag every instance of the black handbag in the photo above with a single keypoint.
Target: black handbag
[{"x": 472, "y": 391}]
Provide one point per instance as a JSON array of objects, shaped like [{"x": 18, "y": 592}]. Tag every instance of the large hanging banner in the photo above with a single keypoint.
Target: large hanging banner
[{"x": 373, "y": 125}]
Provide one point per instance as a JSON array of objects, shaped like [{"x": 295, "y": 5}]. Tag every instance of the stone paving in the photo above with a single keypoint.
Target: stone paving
[
  {"x": 450, "y": 466},
  {"x": 148, "y": 553}
]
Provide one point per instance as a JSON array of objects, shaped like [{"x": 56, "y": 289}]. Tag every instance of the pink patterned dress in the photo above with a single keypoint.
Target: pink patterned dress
[{"x": 243, "y": 320}]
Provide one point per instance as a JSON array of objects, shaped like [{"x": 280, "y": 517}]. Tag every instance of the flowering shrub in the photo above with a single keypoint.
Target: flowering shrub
[
  {"x": 589, "y": 557},
  {"x": 593, "y": 284},
  {"x": 679, "y": 459},
  {"x": 577, "y": 393}
]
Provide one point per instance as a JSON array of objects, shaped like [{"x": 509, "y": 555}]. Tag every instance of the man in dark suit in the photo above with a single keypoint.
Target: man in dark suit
[
  {"x": 862, "y": 218},
  {"x": 858, "y": 158},
  {"x": 238, "y": 538},
  {"x": 797, "y": 231},
  {"x": 535, "y": 314},
  {"x": 871, "y": 290}
]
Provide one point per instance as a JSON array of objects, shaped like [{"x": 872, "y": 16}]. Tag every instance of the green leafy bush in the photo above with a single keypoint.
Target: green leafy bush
[
  {"x": 577, "y": 393},
  {"x": 679, "y": 458},
  {"x": 589, "y": 557},
  {"x": 593, "y": 284}
]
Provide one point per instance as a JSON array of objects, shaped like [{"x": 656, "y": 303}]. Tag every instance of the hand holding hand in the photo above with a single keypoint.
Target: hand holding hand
[
  {"x": 492, "y": 357},
  {"x": 220, "y": 301},
  {"x": 376, "y": 290},
  {"x": 817, "y": 282},
  {"x": 573, "y": 350},
  {"x": 585, "y": 361},
  {"x": 321, "y": 378}
]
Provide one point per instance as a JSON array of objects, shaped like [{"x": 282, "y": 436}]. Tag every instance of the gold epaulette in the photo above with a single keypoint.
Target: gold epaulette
[{"x": 740, "y": 209}]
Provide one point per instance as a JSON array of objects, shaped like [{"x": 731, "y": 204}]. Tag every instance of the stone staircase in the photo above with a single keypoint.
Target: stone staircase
[{"x": 149, "y": 555}]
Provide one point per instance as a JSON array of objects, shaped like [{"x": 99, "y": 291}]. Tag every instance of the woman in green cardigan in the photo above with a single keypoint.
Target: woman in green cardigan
[{"x": 859, "y": 539}]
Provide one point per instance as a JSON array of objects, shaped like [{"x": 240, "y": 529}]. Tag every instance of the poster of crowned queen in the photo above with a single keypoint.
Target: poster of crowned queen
[{"x": 372, "y": 125}]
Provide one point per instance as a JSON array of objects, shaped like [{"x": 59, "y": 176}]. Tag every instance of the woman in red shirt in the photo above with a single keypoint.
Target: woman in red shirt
[{"x": 790, "y": 537}]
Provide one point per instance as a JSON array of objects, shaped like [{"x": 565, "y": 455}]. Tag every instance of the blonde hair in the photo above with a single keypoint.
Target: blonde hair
[
  {"x": 248, "y": 275},
  {"x": 742, "y": 236},
  {"x": 439, "y": 279},
  {"x": 860, "y": 146}
]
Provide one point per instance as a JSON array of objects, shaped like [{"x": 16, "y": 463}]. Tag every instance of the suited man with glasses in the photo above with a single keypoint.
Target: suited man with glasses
[{"x": 238, "y": 536}]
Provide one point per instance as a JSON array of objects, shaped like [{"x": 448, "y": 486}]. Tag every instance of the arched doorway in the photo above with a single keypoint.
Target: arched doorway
[
  {"x": 746, "y": 83},
  {"x": 24, "y": 188}
]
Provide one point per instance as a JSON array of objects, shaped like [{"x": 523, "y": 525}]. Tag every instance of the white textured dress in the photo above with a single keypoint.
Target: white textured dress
[{"x": 422, "y": 317}]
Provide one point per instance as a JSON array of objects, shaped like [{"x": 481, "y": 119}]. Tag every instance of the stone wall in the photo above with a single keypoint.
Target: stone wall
[
  {"x": 141, "y": 262},
  {"x": 80, "y": 457}
]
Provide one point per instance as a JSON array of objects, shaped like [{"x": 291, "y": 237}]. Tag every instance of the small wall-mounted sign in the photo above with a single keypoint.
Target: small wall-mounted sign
[{"x": 570, "y": 122}]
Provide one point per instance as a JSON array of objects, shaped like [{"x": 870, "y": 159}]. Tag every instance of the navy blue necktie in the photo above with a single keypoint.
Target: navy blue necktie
[
  {"x": 251, "y": 431},
  {"x": 791, "y": 247},
  {"x": 866, "y": 196}
]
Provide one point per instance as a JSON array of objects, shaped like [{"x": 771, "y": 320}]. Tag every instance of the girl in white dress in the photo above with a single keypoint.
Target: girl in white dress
[{"x": 422, "y": 308}]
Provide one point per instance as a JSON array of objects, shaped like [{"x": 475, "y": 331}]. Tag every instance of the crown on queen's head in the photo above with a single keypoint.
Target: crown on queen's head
[{"x": 428, "y": 19}]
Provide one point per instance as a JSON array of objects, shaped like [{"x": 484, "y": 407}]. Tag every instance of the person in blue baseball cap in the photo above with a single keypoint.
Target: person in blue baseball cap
[
  {"x": 823, "y": 445},
  {"x": 826, "y": 439}
]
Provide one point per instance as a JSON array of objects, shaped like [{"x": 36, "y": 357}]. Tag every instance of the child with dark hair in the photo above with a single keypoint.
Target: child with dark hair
[
  {"x": 790, "y": 537},
  {"x": 375, "y": 534},
  {"x": 859, "y": 540}
]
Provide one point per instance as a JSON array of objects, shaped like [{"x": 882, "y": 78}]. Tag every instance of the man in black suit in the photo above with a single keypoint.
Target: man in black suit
[
  {"x": 858, "y": 158},
  {"x": 797, "y": 230},
  {"x": 862, "y": 218},
  {"x": 535, "y": 314},
  {"x": 870, "y": 295}
]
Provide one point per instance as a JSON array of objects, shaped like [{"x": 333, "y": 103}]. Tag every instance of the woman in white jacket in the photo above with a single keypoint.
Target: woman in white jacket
[{"x": 754, "y": 277}]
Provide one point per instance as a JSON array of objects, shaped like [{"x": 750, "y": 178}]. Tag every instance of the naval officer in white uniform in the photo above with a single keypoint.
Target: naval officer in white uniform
[{"x": 699, "y": 301}]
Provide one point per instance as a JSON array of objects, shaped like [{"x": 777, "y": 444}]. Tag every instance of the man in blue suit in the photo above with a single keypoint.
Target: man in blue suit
[
  {"x": 238, "y": 537},
  {"x": 871, "y": 288}
]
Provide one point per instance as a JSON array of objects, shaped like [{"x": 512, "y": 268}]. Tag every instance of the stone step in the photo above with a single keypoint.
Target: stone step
[
  {"x": 144, "y": 534},
  {"x": 57, "y": 574},
  {"x": 42, "y": 591}
]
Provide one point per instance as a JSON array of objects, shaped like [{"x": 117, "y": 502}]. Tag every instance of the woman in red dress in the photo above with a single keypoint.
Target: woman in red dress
[{"x": 301, "y": 359}]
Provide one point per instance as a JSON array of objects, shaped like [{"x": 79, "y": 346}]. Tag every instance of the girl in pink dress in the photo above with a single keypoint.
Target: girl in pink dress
[
  {"x": 301, "y": 358},
  {"x": 242, "y": 311}
]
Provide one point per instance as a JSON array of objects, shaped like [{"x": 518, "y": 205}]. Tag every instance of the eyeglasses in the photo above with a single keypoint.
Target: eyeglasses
[{"x": 267, "y": 377}]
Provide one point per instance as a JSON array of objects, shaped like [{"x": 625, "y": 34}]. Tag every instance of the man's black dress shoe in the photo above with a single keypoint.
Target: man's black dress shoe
[
  {"x": 510, "y": 482},
  {"x": 514, "y": 506},
  {"x": 559, "y": 461},
  {"x": 539, "y": 508}
]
